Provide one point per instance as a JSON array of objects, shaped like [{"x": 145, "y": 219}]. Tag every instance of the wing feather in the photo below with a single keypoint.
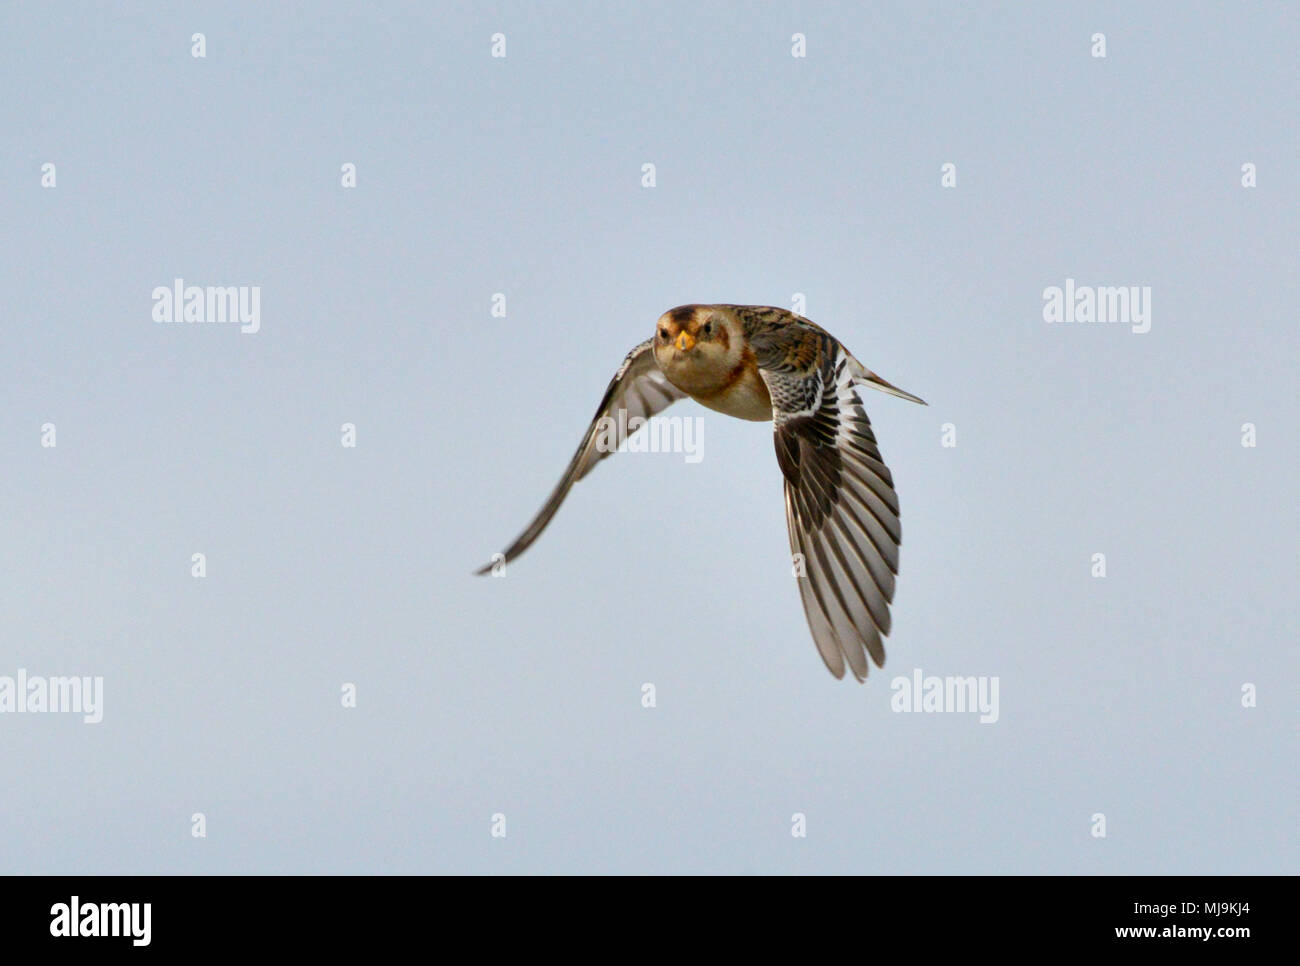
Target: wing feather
[
  {"x": 841, "y": 507},
  {"x": 640, "y": 390}
]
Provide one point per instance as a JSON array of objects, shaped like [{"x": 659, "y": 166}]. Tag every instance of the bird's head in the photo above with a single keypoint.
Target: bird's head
[{"x": 702, "y": 338}]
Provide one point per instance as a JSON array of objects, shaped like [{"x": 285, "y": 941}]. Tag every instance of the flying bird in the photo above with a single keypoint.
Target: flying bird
[{"x": 763, "y": 363}]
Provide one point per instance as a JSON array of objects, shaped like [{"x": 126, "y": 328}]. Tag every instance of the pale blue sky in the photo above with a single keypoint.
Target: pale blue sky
[{"x": 775, "y": 175}]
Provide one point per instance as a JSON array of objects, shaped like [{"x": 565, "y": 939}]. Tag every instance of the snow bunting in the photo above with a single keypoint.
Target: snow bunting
[{"x": 761, "y": 363}]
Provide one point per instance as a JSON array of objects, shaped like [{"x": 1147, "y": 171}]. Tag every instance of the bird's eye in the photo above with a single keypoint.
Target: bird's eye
[
  {"x": 708, "y": 328},
  {"x": 663, "y": 334}
]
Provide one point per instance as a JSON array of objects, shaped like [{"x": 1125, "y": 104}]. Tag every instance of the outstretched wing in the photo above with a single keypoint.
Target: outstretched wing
[
  {"x": 840, "y": 504},
  {"x": 639, "y": 389}
]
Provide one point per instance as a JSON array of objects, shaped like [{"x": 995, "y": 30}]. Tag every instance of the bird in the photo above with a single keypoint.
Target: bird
[{"x": 762, "y": 363}]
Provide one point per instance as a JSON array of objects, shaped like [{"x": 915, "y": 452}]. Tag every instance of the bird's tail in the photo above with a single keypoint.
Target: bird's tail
[{"x": 866, "y": 377}]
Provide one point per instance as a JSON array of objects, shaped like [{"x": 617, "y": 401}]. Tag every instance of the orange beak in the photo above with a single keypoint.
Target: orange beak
[{"x": 685, "y": 341}]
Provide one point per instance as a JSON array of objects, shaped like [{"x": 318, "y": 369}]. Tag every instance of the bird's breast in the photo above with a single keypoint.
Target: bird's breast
[{"x": 740, "y": 392}]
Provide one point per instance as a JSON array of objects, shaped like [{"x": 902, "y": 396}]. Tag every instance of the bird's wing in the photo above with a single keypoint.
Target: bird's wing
[
  {"x": 840, "y": 504},
  {"x": 639, "y": 389}
]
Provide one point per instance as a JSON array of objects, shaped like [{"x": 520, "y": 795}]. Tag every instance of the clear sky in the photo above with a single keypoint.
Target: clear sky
[{"x": 521, "y": 696}]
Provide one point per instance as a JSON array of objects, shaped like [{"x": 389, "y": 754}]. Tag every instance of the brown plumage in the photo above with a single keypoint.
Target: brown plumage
[{"x": 764, "y": 363}]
